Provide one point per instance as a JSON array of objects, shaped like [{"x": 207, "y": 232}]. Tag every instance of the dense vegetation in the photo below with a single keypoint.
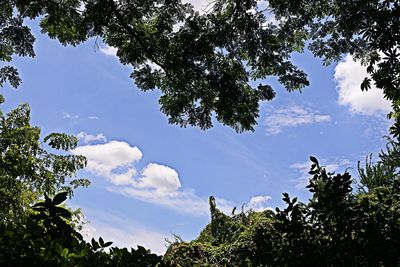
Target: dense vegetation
[
  {"x": 337, "y": 227},
  {"x": 204, "y": 65}
]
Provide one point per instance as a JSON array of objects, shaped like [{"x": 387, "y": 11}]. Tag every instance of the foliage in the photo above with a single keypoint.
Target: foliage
[
  {"x": 46, "y": 234},
  {"x": 206, "y": 64},
  {"x": 27, "y": 169},
  {"x": 335, "y": 228},
  {"x": 15, "y": 39},
  {"x": 369, "y": 30},
  {"x": 47, "y": 238}
]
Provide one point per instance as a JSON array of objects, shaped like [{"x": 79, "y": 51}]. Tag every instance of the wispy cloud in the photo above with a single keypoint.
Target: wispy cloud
[
  {"x": 88, "y": 138},
  {"x": 93, "y": 118},
  {"x": 304, "y": 167},
  {"x": 70, "y": 116},
  {"x": 349, "y": 76},
  {"x": 291, "y": 116},
  {"x": 155, "y": 183}
]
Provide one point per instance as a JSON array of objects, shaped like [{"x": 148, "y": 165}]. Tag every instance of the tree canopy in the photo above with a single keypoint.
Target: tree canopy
[{"x": 207, "y": 63}]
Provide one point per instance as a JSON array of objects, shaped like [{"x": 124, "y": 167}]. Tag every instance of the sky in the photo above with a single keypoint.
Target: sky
[{"x": 152, "y": 180}]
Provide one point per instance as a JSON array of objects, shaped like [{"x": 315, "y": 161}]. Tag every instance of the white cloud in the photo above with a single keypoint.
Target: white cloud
[
  {"x": 113, "y": 160},
  {"x": 87, "y": 138},
  {"x": 70, "y": 116},
  {"x": 122, "y": 232},
  {"x": 304, "y": 167},
  {"x": 160, "y": 185},
  {"x": 155, "y": 183},
  {"x": 160, "y": 178},
  {"x": 109, "y": 50},
  {"x": 93, "y": 117},
  {"x": 258, "y": 203},
  {"x": 349, "y": 76},
  {"x": 292, "y": 116}
]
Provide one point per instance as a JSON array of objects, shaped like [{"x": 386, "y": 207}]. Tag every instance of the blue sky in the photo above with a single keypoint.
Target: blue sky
[{"x": 151, "y": 179}]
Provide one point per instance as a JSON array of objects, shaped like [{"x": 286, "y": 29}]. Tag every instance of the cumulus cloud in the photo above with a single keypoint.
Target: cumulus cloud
[
  {"x": 159, "y": 177},
  {"x": 113, "y": 160},
  {"x": 258, "y": 203},
  {"x": 88, "y": 138},
  {"x": 349, "y": 76},
  {"x": 304, "y": 167},
  {"x": 155, "y": 183},
  {"x": 292, "y": 116}
]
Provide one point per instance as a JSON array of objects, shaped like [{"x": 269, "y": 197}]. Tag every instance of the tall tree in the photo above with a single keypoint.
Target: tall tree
[{"x": 27, "y": 169}]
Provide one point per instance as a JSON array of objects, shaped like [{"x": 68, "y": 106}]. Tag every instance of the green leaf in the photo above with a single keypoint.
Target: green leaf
[
  {"x": 107, "y": 244},
  {"x": 101, "y": 241},
  {"x": 59, "y": 198},
  {"x": 61, "y": 141},
  {"x": 63, "y": 212},
  {"x": 64, "y": 253},
  {"x": 95, "y": 245},
  {"x": 314, "y": 160}
]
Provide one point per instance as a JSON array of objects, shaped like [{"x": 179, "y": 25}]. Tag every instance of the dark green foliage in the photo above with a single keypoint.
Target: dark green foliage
[
  {"x": 27, "y": 170},
  {"x": 15, "y": 39},
  {"x": 48, "y": 238},
  {"x": 335, "y": 228},
  {"x": 385, "y": 171},
  {"x": 204, "y": 63},
  {"x": 9, "y": 74}
]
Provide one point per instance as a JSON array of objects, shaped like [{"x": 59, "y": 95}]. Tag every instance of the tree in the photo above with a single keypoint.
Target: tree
[
  {"x": 46, "y": 233},
  {"x": 204, "y": 64},
  {"x": 384, "y": 172},
  {"x": 27, "y": 169}
]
